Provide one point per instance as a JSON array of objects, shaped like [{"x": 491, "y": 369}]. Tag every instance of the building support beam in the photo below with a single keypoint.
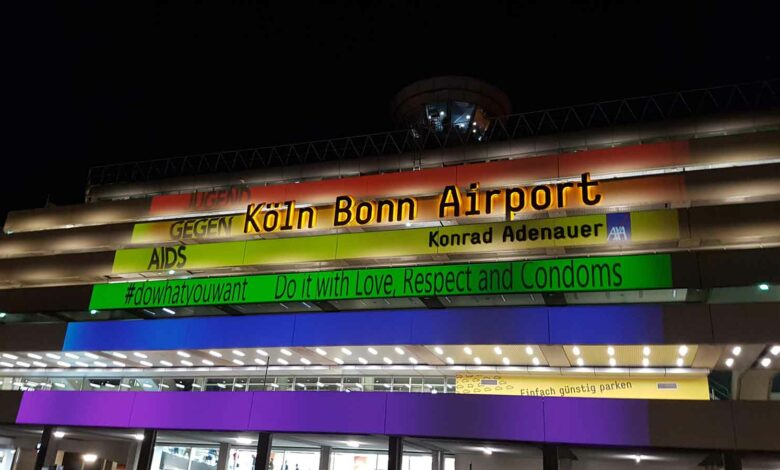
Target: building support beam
[
  {"x": 147, "y": 450},
  {"x": 395, "y": 453},
  {"x": 324, "y": 458},
  {"x": 732, "y": 460},
  {"x": 42, "y": 450},
  {"x": 224, "y": 456},
  {"x": 549, "y": 457},
  {"x": 263, "y": 451},
  {"x": 437, "y": 460}
]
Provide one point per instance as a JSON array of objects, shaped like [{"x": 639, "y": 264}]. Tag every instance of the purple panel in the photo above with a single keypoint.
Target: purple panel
[
  {"x": 465, "y": 416},
  {"x": 336, "y": 412},
  {"x": 596, "y": 421},
  {"x": 76, "y": 408},
  {"x": 191, "y": 410}
]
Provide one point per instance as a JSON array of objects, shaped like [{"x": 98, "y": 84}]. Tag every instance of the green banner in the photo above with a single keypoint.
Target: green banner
[{"x": 606, "y": 273}]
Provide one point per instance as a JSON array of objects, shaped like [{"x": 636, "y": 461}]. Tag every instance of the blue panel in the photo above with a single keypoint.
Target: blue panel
[
  {"x": 492, "y": 325},
  {"x": 631, "y": 324},
  {"x": 181, "y": 333},
  {"x": 126, "y": 334},
  {"x": 241, "y": 332},
  {"x": 343, "y": 328}
]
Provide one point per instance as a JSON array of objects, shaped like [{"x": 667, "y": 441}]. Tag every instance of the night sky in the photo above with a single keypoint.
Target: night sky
[{"x": 96, "y": 82}]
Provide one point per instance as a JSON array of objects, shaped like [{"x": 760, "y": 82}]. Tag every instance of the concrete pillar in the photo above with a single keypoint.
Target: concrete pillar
[
  {"x": 437, "y": 460},
  {"x": 146, "y": 453},
  {"x": 395, "y": 453},
  {"x": 324, "y": 458},
  {"x": 44, "y": 448},
  {"x": 133, "y": 452},
  {"x": 549, "y": 457},
  {"x": 263, "y": 451},
  {"x": 224, "y": 456},
  {"x": 732, "y": 461}
]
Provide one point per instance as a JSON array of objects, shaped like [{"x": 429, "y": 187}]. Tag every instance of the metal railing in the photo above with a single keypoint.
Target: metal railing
[{"x": 644, "y": 109}]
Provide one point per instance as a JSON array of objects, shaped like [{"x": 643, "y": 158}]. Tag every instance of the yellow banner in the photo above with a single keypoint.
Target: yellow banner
[
  {"x": 618, "y": 229},
  {"x": 664, "y": 388}
]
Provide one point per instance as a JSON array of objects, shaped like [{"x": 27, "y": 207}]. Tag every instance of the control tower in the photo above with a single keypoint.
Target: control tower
[{"x": 445, "y": 103}]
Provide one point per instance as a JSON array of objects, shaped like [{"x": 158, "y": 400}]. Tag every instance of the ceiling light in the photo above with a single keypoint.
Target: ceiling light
[
  {"x": 186, "y": 363},
  {"x": 58, "y": 434},
  {"x": 412, "y": 360},
  {"x": 282, "y": 361},
  {"x": 610, "y": 350},
  {"x": 645, "y": 362},
  {"x": 487, "y": 451},
  {"x": 183, "y": 354},
  {"x": 39, "y": 364},
  {"x": 238, "y": 362},
  {"x": 139, "y": 354},
  {"x": 362, "y": 360},
  {"x": 438, "y": 350},
  {"x": 143, "y": 363},
  {"x": 775, "y": 350},
  {"x": 580, "y": 362},
  {"x": 244, "y": 440},
  {"x": 497, "y": 350},
  {"x": 91, "y": 355},
  {"x": 505, "y": 360},
  {"x": 261, "y": 352},
  {"x": 353, "y": 444},
  {"x": 89, "y": 458},
  {"x": 10, "y": 356},
  {"x": 138, "y": 437},
  {"x": 467, "y": 350},
  {"x": 477, "y": 361},
  {"x": 116, "y": 363},
  {"x": 6, "y": 364},
  {"x": 736, "y": 350},
  {"x": 450, "y": 361},
  {"x": 575, "y": 350},
  {"x": 206, "y": 362},
  {"x": 93, "y": 311},
  {"x": 65, "y": 364},
  {"x": 238, "y": 353},
  {"x": 387, "y": 360},
  {"x": 346, "y": 351},
  {"x": 33, "y": 356},
  {"x": 612, "y": 362},
  {"x": 535, "y": 361},
  {"x": 286, "y": 352},
  {"x": 529, "y": 350},
  {"x": 305, "y": 361},
  {"x": 766, "y": 362},
  {"x": 729, "y": 362},
  {"x": 683, "y": 350},
  {"x": 259, "y": 361},
  {"x": 168, "y": 310},
  {"x": 54, "y": 356},
  {"x": 165, "y": 363},
  {"x": 679, "y": 362},
  {"x": 321, "y": 352},
  {"x": 99, "y": 364},
  {"x": 763, "y": 286},
  {"x": 399, "y": 351},
  {"x": 215, "y": 353},
  {"x": 71, "y": 355},
  {"x": 637, "y": 458},
  {"x": 646, "y": 351},
  {"x": 171, "y": 272},
  {"x": 373, "y": 351},
  {"x": 339, "y": 360}
]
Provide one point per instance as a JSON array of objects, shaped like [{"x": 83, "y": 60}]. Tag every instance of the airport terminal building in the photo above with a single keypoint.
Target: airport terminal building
[{"x": 594, "y": 287}]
